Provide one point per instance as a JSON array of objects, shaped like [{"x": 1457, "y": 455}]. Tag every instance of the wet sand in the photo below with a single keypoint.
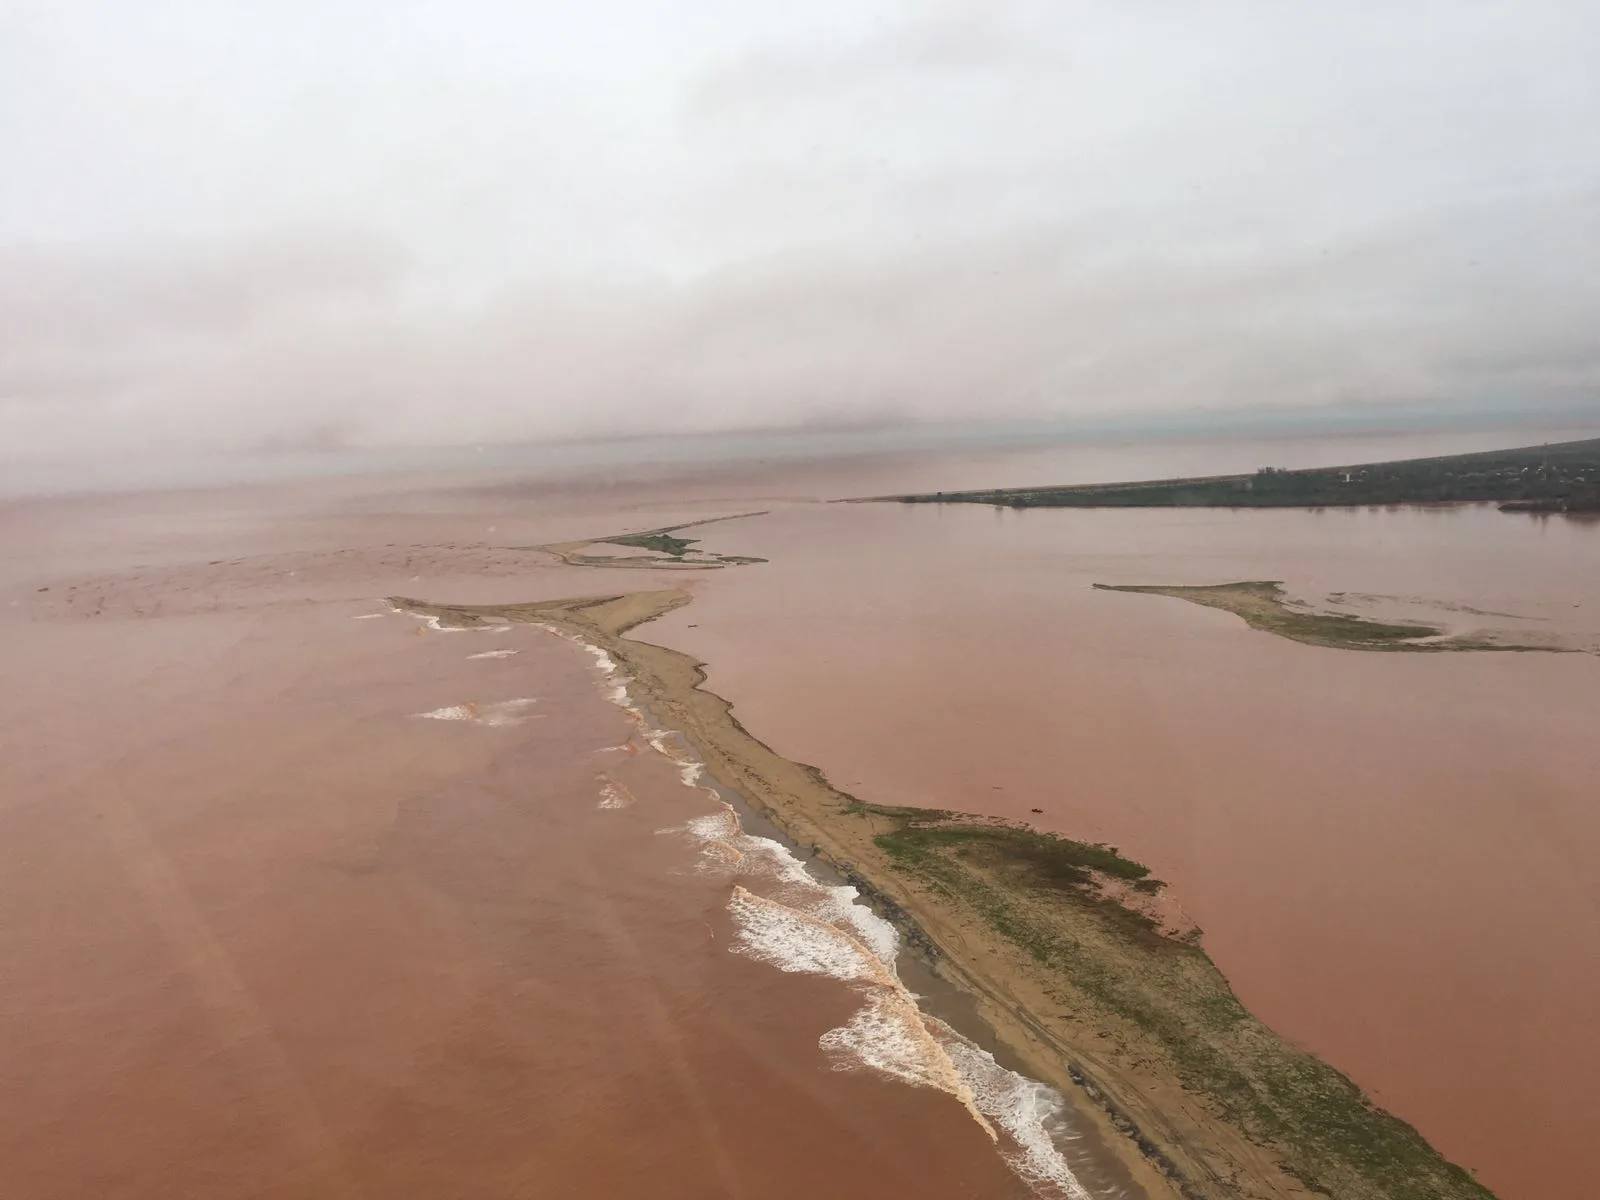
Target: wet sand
[{"x": 1390, "y": 854}]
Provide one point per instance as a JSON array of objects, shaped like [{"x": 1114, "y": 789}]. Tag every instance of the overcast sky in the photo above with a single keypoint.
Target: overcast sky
[{"x": 306, "y": 223}]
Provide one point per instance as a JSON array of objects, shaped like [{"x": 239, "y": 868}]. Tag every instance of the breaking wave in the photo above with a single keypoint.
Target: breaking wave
[
  {"x": 614, "y": 794},
  {"x": 504, "y": 712},
  {"x": 785, "y": 917},
  {"x": 490, "y": 625},
  {"x": 438, "y": 626},
  {"x": 803, "y": 926},
  {"x": 1033, "y": 1115}
]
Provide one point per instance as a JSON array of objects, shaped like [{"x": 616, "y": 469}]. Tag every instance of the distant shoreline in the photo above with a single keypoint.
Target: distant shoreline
[{"x": 1564, "y": 477}]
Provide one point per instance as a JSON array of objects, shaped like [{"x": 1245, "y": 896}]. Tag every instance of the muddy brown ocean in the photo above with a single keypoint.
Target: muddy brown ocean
[
  {"x": 304, "y": 898},
  {"x": 301, "y": 898}
]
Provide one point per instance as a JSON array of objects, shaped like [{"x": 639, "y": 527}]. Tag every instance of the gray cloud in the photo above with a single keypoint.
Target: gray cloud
[
  {"x": 940, "y": 43},
  {"x": 340, "y": 224}
]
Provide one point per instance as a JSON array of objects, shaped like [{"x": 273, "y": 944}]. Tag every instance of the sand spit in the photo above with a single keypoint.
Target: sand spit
[
  {"x": 1098, "y": 1000},
  {"x": 1264, "y": 605}
]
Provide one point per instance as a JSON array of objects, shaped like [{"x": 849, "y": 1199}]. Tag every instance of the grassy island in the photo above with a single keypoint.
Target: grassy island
[
  {"x": 667, "y": 550},
  {"x": 1266, "y": 606}
]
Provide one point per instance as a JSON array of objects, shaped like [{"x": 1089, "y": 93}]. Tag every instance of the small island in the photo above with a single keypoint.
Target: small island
[
  {"x": 1266, "y": 606},
  {"x": 665, "y": 549}
]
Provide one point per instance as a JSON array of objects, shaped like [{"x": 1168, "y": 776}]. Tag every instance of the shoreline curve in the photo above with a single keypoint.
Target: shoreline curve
[{"x": 1021, "y": 922}]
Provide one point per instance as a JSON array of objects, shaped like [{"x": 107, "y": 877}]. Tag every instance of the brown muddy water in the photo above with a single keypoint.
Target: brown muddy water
[
  {"x": 302, "y": 898},
  {"x": 1393, "y": 855}
]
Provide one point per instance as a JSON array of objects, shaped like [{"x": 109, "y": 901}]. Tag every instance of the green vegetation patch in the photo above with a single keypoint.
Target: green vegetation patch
[
  {"x": 1035, "y": 861},
  {"x": 667, "y": 549},
  {"x": 1108, "y": 963},
  {"x": 661, "y": 543}
]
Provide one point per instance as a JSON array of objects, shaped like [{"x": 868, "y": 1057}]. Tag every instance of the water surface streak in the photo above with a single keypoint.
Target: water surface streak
[{"x": 298, "y": 905}]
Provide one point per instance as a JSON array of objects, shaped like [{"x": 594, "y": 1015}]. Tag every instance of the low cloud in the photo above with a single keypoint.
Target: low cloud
[
  {"x": 532, "y": 226},
  {"x": 311, "y": 340}
]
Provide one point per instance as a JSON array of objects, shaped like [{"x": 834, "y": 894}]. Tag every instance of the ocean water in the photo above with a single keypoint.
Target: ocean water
[{"x": 305, "y": 897}]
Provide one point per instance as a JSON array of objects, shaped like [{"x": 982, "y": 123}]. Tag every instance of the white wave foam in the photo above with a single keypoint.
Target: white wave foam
[
  {"x": 614, "y": 794},
  {"x": 715, "y": 826},
  {"x": 504, "y": 712},
  {"x": 726, "y": 847},
  {"x": 780, "y": 936},
  {"x": 490, "y": 624},
  {"x": 368, "y": 616},
  {"x": 816, "y": 929},
  {"x": 838, "y": 905},
  {"x": 690, "y": 769},
  {"x": 453, "y": 712},
  {"x": 433, "y": 622},
  {"x": 841, "y": 905},
  {"x": 720, "y": 856},
  {"x": 602, "y": 658},
  {"x": 885, "y": 1036},
  {"x": 618, "y": 694},
  {"x": 607, "y": 666},
  {"x": 1031, "y": 1114},
  {"x": 494, "y": 654}
]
